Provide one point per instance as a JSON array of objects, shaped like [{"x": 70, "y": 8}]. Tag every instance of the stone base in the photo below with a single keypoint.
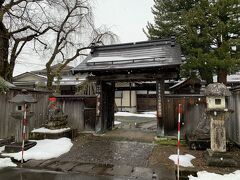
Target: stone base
[
  {"x": 17, "y": 146},
  {"x": 184, "y": 172},
  {"x": 4, "y": 142},
  {"x": 56, "y": 124},
  {"x": 219, "y": 159},
  {"x": 70, "y": 133}
]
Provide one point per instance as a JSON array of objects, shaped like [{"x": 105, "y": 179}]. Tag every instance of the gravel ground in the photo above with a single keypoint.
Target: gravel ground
[{"x": 103, "y": 150}]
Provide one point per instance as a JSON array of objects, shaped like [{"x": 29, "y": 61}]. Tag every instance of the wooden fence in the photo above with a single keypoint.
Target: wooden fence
[
  {"x": 81, "y": 111},
  {"x": 7, "y": 123},
  {"x": 193, "y": 106}
]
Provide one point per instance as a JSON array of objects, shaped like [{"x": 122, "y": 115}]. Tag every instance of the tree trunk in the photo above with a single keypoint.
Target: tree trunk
[
  {"x": 50, "y": 79},
  {"x": 4, "y": 45},
  {"x": 206, "y": 75},
  {"x": 222, "y": 76}
]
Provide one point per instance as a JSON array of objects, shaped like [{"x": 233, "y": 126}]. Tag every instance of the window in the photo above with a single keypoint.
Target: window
[
  {"x": 19, "y": 108},
  {"x": 217, "y": 101},
  {"x": 118, "y": 94}
]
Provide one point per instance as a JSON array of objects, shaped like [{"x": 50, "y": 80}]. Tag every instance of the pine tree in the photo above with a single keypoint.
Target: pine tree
[{"x": 208, "y": 31}]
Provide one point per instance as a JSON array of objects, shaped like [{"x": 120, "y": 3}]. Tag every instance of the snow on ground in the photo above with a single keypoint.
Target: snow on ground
[
  {"x": 184, "y": 160},
  {"x": 2, "y": 149},
  {"x": 45, "y": 149},
  {"x": 145, "y": 114},
  {"x": 50, "y": 131},
  {"x": 117, "y": 122},
  {"x": 203, "y": 175},
  {"x": 6, "y": 162}
]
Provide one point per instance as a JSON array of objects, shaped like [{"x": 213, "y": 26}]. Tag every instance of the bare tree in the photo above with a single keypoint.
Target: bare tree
[
  {"x": 62, "y": 29},
  {"x": 21, "y": 21},
  {"x": 73, "y": 33}
]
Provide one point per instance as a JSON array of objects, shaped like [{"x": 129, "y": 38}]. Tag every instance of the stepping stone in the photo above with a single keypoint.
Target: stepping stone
[
  {"x": 121, "y": 170},
  {"x": 67, "y": 166},
  {"x": 33, "y": 163},
  {"x": 87, "y": 168},
  {"x": 140, "y": 172}
]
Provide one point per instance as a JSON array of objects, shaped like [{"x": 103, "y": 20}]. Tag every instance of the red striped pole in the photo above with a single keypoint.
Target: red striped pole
[
  {"x": 24, "y": 130},
  {"x": 178, "y": 143}
]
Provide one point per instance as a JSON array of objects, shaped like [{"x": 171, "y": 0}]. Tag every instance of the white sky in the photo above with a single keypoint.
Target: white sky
[{"x": 126, "y": 18}]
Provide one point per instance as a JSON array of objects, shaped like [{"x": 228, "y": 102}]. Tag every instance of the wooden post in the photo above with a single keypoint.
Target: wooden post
[
  {"x": 110, "y": 104},
  {"x": 160, "y": 120},
  {"x": 99, "y": 123},
  {"x": 130, "y": 96}
]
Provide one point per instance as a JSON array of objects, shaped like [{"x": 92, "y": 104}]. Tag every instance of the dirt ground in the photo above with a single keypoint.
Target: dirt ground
[{"x": 160, "y": 152}]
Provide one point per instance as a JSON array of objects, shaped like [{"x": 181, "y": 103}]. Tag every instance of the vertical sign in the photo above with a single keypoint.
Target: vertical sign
[
  {"x": 159, "y": 99},
  {"x": 98, "y": 123},
  {"x": 160, "y": 121},
  {"x": 98, "y": 93}
]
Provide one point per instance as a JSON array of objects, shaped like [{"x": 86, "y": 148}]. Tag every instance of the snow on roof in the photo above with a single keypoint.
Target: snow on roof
[
  {"x": 179, "y": 83},
  {"x": 230, "y": 78},
  {"x": 163, "y": 53},
  {"x": 116, "y": 58}
]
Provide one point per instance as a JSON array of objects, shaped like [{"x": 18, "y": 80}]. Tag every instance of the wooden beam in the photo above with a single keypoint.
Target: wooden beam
[
  {"x": 133, "y": 77},
  {"x": 142, "y": 88}
]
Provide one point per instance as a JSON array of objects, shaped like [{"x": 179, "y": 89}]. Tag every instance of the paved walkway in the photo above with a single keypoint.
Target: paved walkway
[{"x": 104, "y": 156}]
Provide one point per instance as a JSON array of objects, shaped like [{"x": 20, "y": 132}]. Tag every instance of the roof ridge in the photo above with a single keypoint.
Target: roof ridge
[{"x": 170, "y": 41}]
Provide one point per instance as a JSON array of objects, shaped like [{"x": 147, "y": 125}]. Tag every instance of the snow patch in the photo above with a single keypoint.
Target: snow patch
[
  {"x": 203, "y": 175},
  {"x": 184, "y": 160},
  {"x": 6, "y": 162},
  {"x": 45, "y": 149},
  {"x": 117, "y": 122},
  {"x": 145, "y": 114},
  {"x": 2, "y": 149},
  {"x": 50, "y": 131}
]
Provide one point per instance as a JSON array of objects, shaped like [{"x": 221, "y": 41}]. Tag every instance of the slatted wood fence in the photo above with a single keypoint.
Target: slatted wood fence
[
  {"x": 7, "y": 123},
  {"x": 80, "y": 111}
]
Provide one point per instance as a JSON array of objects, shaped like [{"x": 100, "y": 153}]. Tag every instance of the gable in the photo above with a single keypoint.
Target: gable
[{"x": 30, "y": 77}]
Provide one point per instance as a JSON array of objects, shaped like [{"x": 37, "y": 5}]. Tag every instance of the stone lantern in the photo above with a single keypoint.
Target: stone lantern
[
  {"x": 22, "y": 114},
  {"x": 218, "y": 113}
]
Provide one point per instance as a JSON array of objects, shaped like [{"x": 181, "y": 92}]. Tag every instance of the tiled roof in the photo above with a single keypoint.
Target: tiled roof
[{"x": 139, "y": 55}]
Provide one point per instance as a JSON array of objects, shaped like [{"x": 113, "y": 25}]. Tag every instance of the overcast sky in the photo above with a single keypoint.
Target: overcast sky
[{"x": 126, "y": 18}]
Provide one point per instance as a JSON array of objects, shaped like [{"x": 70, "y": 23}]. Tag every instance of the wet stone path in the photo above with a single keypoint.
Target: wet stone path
[
  {"x": 102, "y": 156},
  {"x": 110, "y": 152}
]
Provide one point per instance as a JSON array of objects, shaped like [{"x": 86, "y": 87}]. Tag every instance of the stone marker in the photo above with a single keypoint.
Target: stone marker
[{"x": 218, "y": 113}]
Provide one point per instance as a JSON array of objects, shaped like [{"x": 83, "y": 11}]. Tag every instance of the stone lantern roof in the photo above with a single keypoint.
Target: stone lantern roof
[
  {"x": 217, "y": 89},
  {"x": 23, "y": 98}
]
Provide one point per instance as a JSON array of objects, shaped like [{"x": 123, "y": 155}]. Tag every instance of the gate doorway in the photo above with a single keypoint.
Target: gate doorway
[{"x": 132, "y": 62}]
